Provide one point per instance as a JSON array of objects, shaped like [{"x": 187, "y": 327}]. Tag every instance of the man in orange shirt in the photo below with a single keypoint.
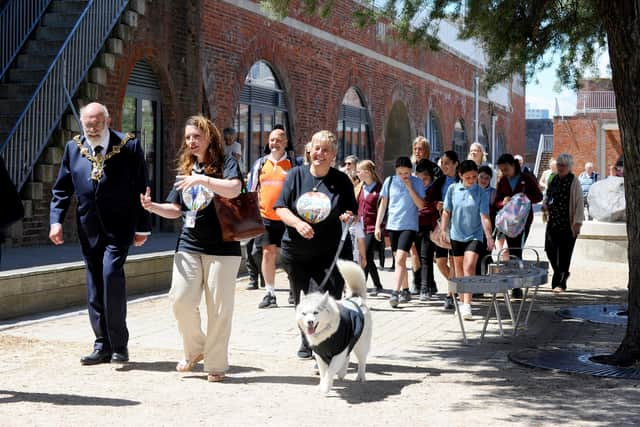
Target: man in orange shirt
[{"x": 267, "y": 177}]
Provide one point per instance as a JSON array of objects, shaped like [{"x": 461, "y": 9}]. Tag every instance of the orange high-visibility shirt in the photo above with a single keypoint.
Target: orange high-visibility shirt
[{"x": 271, "y": 181}]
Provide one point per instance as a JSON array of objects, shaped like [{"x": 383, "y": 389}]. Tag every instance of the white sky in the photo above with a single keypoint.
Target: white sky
[{"x": 542, "y": 94}]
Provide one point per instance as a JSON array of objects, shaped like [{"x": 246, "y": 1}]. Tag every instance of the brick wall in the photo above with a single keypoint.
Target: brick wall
[
  {"x": 316, "y": 73},
  {"x": 577, "y": 136},
  {"x": 206, "y": 48}
]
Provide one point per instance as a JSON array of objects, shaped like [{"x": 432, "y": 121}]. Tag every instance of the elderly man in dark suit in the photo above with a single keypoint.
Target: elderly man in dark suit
[{"x": 107, "y": 172}]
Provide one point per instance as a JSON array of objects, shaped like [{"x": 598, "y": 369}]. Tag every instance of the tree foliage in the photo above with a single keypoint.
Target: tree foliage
[{"x": 515, "y": 35}]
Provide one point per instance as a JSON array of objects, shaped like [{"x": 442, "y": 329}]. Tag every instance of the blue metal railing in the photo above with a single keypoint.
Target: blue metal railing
[
  {"x": 34, "y": 127},
  {"x": 18, "y": 18}
]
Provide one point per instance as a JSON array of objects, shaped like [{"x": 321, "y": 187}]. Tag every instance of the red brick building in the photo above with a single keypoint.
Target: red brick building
[
  {"x": 228, "y": 59},
  {"x": 592, "y": 135}
]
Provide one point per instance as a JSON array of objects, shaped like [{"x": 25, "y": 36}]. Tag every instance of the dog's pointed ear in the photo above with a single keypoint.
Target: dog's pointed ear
[{"x": 325, "y": 298}]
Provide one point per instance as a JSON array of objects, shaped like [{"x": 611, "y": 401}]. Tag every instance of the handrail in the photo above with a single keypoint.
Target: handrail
[
  {"x": 596, "y": 100},
  {"x": 30, "y": 135},
  {"x": 18, "y": 18},
  {"x": 545, "y": 145},
  {"x": 536, "y": 167}
]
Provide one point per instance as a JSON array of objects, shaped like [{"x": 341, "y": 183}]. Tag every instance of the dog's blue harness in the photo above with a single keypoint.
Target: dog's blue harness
[{"x": 349, "y": 330}]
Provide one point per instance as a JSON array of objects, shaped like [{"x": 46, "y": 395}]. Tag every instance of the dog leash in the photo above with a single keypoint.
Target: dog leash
[{"x": 345, "y": 231}]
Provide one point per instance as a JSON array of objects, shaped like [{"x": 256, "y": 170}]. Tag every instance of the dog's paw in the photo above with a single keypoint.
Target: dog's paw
[
  {"x": 361, "y": 378},
  {"x": 323, "y": 389}
]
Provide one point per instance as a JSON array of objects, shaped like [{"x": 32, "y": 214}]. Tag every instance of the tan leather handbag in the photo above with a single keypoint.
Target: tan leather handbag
[{"x": 239, "y": 217}]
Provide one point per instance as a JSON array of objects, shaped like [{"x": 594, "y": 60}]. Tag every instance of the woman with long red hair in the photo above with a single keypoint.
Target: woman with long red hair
[{"x": 203, "y": 261}]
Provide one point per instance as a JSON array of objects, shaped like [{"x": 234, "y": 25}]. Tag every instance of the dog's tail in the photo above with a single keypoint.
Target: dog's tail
[{"x": 354, "y": 278}]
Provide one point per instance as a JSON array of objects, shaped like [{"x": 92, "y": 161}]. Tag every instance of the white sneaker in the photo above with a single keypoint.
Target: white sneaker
[{"x": 465, "y": 310}]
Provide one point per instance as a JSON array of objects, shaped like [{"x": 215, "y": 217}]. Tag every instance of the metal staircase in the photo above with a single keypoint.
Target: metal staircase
[
  {"x": 66, "y": 34},
  {"x": 543, "y": 155}
]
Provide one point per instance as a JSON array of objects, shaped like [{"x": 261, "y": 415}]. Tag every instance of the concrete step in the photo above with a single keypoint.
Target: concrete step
[
  {"x": 16, "y": 90},
  {"x": 31, "y": 76},
  {"x": 42, "y": 288},
  {"x": 52, "y": 33},
  {"x": 43, "y": 47},
  {"x": 34, "y": 61},
  {"x": 65, "y": 20},
  {"x": 62, "y": 6}
]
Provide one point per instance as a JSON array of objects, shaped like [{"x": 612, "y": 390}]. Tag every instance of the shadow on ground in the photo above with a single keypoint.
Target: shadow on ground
[
  {"x": 556, "y": 398},
  {"x": 164, "y": 366},
  {"x": 11, "y": 396}
]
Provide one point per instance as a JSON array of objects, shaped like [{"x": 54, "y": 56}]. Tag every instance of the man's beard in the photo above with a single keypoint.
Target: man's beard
[{"x": 93, "y": 140}]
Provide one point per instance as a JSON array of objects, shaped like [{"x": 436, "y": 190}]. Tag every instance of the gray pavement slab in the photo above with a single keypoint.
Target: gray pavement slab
[{"x": 419, "y": 372}]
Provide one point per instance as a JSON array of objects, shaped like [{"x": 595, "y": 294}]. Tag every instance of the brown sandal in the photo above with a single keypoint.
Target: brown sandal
[
  {"x": 215, "y": 377},
  {"x": 188, "y": 365}
]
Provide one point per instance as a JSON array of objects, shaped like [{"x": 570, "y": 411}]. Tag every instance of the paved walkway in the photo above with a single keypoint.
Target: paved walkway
[{"x": 419, "y": 373}]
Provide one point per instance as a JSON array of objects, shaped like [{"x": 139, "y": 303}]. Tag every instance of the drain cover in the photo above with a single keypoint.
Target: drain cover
[
  {"x": 613, "y": 314},
  {"x": 572, "y": 361}
]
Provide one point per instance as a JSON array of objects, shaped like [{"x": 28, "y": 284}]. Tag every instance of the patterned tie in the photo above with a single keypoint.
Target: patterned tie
[{"x": 97, "y": 153}]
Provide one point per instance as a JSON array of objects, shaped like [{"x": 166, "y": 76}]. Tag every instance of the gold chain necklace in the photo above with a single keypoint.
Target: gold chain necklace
[{"x": 97, "y": 161}]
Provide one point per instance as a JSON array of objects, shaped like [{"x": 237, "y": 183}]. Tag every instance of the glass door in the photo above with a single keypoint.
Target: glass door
[{"x": 141, "y": 115}]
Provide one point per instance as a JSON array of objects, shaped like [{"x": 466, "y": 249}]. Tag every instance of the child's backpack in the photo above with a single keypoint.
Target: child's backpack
[{"x": 512, "y": 218}]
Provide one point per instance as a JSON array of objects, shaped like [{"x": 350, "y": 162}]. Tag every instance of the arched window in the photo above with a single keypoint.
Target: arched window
[
  {"x": 460, "y": 140},
  {"x": 262, "y": 106},
  {"x": 353, "y": 127},
  {"x": 434, "y": 135}
]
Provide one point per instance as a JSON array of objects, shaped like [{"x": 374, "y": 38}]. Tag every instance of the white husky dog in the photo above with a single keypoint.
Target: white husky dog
[{"x": 333, "y": 328}]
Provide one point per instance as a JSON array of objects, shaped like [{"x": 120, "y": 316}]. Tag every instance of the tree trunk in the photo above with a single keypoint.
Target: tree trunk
[{"x": 621, "y": 19}]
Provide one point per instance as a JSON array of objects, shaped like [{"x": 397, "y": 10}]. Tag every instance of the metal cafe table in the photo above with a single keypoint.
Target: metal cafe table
[{"x": 502, "y": 278}]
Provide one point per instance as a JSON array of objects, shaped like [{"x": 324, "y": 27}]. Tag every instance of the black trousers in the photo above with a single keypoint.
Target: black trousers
[
  {"x": 559, "y": 244},
  {"x": 254, "y": 262},
  {"x": 426, "y": 251},
  {"x": 371, "y": 245},
  {"x": 107, "y": 295},
  {"x": 307, "y": 273},
  {"x": 518, "y": 242}
]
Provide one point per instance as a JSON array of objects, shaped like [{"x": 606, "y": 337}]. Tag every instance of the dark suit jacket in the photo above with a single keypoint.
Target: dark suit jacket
[{"x": 111, "y": 209}]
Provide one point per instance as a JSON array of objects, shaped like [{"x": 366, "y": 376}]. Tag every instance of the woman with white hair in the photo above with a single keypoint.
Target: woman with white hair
[
  {"x": 315, "y": 200},
  {"x": 564, "y": 206}
]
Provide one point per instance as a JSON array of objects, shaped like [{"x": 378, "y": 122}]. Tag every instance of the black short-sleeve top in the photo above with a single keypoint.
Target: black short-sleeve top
[
  {"x": 205, "y": 236},
  {"x": 319, "y": 202}
]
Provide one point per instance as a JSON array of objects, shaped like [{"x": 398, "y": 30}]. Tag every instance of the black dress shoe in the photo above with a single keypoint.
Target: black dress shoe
[
  {"x": 98, "y": 356},
  {"x": 120, "y": 356}
]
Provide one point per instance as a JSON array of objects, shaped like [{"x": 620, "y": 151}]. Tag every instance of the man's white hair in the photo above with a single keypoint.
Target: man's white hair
[{"x": 104, "y": 109}]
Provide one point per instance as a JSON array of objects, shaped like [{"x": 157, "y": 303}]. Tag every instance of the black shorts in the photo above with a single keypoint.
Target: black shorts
[
  {"x": 459, "y": 248},
  {"x": 442, "y": 252},
  {"x": 273, "y": 232},
  {"x": 402, "y": 239}
]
